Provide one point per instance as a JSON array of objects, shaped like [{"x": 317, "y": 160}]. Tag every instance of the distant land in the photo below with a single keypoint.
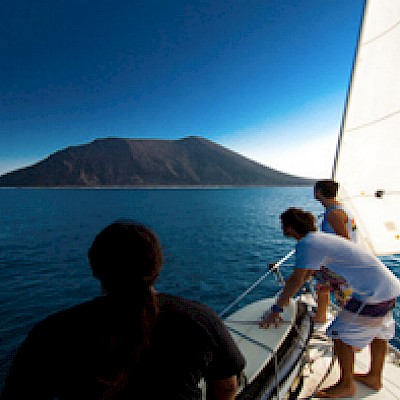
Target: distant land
[{"x": 118, "y": 162}]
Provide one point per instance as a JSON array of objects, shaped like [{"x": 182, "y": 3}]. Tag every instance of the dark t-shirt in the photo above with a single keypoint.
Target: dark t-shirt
[{"x": 70, "y": 355}]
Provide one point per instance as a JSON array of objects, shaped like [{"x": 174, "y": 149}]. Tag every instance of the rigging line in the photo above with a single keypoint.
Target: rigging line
[
  {"x": 251, "y": 340},
  {"x": 256, "y": 283},
  {"x": 391, "y": 28},
  {"x": 390, "y": 115}
]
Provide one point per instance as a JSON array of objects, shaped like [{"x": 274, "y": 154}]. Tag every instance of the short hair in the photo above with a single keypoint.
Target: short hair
[
  {"x": 328, "y": 187},
  {"x": 301, "y": 221},
  {"x": 125, "y": 256}
]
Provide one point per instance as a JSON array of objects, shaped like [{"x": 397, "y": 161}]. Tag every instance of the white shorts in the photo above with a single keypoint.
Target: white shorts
[{"x": 360, "y": 330}]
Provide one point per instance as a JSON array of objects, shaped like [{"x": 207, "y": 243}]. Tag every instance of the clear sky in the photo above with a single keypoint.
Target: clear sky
[{"x": 265, "y": 78}]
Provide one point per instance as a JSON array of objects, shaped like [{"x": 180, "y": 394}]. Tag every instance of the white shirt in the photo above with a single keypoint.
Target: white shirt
[{"x": 369, "y": 278}]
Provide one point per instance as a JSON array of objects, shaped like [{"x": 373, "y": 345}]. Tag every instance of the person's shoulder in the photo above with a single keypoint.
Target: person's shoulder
[
  {"x": 337, "y": 212},
  {"x": 183, "y": 305},
  {"x": 70, "y": 316},
  {"x": 312, "y": 237},
  {"x": 318, "y": 239},
  {"x": 190, "y": 313},
  {"x": 329, "y": 241},
  {"x": 320, "y": 235}
]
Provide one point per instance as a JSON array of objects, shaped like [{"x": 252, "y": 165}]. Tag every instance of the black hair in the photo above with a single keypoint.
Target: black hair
[
  {"x": 127, "y": 258},
  {"x": 301, "y": 221},
  {"x": 328, "y": 187}
]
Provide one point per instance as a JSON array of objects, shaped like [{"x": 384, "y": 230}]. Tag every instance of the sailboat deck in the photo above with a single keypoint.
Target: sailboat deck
[
  {"x": 391, "y": 374},
  {"x": 322, "y": 367}
]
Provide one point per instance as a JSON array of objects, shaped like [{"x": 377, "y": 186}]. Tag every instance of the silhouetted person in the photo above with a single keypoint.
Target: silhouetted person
[{"x": 132, "y": 342}]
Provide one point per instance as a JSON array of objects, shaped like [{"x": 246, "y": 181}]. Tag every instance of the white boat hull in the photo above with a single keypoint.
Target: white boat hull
[{"x": 274, "y": 356}]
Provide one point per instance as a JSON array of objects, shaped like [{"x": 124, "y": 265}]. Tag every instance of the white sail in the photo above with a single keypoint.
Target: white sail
[{"x": 368, "y": 159}]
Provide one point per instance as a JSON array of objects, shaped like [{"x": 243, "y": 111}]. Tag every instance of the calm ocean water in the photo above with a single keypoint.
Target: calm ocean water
[{"x": 217, "y": 242}]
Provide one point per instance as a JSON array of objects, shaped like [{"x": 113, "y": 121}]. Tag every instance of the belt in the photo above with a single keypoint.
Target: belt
[{"x": 370, "y": 310}]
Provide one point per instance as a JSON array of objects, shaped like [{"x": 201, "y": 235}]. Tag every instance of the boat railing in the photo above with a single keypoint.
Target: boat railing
[
  {"x": 274, "y": 268},
  {"x": 309, "y": 287}
]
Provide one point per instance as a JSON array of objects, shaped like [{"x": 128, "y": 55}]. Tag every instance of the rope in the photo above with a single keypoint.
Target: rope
[
  {"x": 250, "y": 339},
  {"x": 370, "y": 123},
  {"x": 391, "y": 28}
]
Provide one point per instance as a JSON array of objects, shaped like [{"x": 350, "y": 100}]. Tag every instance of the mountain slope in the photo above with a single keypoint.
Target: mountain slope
[{"x": 143, "y": 162}]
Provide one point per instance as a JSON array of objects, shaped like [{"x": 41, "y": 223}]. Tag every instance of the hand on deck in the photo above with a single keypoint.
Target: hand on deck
[{"x": 271, "y": 318}]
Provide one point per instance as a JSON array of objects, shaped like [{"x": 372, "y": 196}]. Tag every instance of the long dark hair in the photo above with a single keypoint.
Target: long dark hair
[{"x": 127, "y": 258}]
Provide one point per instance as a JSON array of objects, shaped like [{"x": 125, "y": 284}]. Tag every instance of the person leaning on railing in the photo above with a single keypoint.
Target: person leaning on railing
[{"x": 366, "y": 318}]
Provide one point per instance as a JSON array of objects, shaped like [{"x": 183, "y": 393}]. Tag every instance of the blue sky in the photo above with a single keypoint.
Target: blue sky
[{"x": 265, "y": 78}]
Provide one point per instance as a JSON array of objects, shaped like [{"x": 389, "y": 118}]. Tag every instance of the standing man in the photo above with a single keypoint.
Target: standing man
[
  {"x": 338, "y": 221},
  {"x": 367, "y": 316}
]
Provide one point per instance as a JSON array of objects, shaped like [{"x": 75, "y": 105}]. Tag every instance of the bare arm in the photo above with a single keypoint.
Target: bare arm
[
  {"x": 292, "y": 285},
  {"x": 338, "y": 221},
  {"x": 222, "y": 389}
]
